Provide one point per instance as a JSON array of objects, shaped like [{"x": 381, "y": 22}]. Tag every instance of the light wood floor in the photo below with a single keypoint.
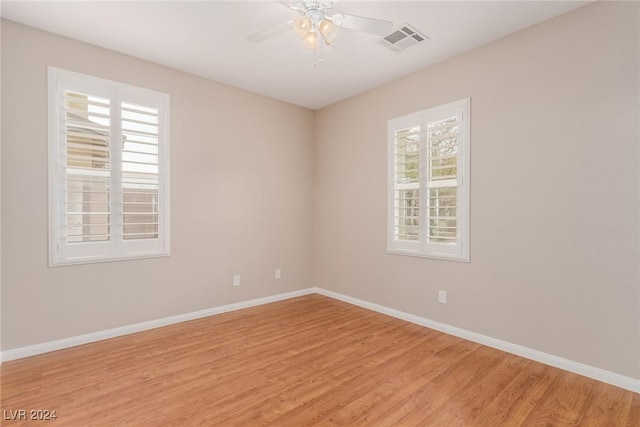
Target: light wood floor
[{"x": 305, "y": 361}]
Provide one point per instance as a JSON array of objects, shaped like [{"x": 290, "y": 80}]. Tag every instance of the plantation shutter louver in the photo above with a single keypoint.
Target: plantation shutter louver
[{"x": 428, "y": 194}]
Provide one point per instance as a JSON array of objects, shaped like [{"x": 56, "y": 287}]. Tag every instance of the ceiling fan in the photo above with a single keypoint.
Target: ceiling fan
[{"x": 316, "y": 24}]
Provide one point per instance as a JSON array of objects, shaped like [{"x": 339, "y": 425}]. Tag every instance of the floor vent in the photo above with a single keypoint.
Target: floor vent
[{"x": 403, "y": 38}]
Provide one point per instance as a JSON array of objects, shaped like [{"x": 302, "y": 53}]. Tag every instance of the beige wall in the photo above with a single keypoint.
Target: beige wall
[
  {"x": 242, "y": 182},
  {"x": 554, "y": 191}
]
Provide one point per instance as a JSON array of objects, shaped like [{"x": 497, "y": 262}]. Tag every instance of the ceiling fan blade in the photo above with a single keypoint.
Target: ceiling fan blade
[
  {"x": 290, "y": 5},
  {"x": 378, "y": 27},
  {"x": 270, "y": 32}
]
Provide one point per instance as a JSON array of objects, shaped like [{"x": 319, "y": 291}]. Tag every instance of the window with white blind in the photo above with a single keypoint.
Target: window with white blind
[
  {"x": 108, "y": 170},
  {"x": 428, "y": 172}
]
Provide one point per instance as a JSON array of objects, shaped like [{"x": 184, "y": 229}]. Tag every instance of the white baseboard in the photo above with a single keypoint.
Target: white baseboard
[
  {"x": 32, "y": 350},
  {"x": 617, "y": 380}
]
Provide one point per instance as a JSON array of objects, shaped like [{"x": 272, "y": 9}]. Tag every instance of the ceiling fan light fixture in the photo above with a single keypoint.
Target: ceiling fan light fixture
[
  {"x": 316, "y": 25},
  {"x": 328, "y": 30},
  {"x": 310, "y": 41},
  {"x": 301, "y": 27}
]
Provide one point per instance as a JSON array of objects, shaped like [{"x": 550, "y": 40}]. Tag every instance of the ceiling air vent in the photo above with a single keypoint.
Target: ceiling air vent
[{"x": 403, "y": 37}]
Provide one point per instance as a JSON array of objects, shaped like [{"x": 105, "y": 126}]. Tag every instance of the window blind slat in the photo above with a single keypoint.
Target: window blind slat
[
  {"x": 146, "y": 153},
  {"x": 81, "y": 134},
  {"x": 75, "y": 111},
  {"x": 146, "y": 112},
  {"x": 138, "y": 133},
  {"x": 72, "y": 145},
  {"x": 152, "y": 163},
  {"x": 127, "y": 120}
]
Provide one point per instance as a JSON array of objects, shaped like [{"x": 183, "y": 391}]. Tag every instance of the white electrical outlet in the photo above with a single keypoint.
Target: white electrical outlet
[
  {"x": 442, "y": 297},
  {"x": 236, "y": 280},
  {"x": 278, "y": 273}
]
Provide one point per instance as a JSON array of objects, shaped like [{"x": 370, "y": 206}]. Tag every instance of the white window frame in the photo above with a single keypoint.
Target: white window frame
[
  {"x": 423, "y": 248},
  {"x": 116, "y": 248}
]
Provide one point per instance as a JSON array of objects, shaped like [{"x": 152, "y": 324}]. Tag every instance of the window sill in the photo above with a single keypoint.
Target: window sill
[
  {"x": 438, "y": 256},
  {"x": 96, "y": 260}
]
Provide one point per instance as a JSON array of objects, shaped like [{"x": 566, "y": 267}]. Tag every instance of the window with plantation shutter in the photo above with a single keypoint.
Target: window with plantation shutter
[
  {"x": 428, "y": 201},
  {"x": 108, "y": 170}
]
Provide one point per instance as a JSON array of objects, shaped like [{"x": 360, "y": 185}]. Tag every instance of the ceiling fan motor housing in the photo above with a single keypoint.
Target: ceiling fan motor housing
[
  {"x": 316, "y": 16},
  {"x": 315, "y": 10},
  {"x": 314, "y": 4}
]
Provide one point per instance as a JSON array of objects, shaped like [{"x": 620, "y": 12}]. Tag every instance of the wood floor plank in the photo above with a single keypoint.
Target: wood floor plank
[
  {"x": 633, "y": 417},
  {"x": 605, "y": 406},
  {"x": 445, "y": 386},
  {"x": 464, "y": 407},
  {"x": 393, "y": 389},
  {"x": 519, "y": 397},
  {"x": 301, "y": 362},
  {"x": 563, "y": 402},
  {"x": 351, "y": 386}
]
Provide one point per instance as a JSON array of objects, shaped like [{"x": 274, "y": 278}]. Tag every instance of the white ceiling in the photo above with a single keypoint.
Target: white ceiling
[{"x": 208, "y": 38}]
